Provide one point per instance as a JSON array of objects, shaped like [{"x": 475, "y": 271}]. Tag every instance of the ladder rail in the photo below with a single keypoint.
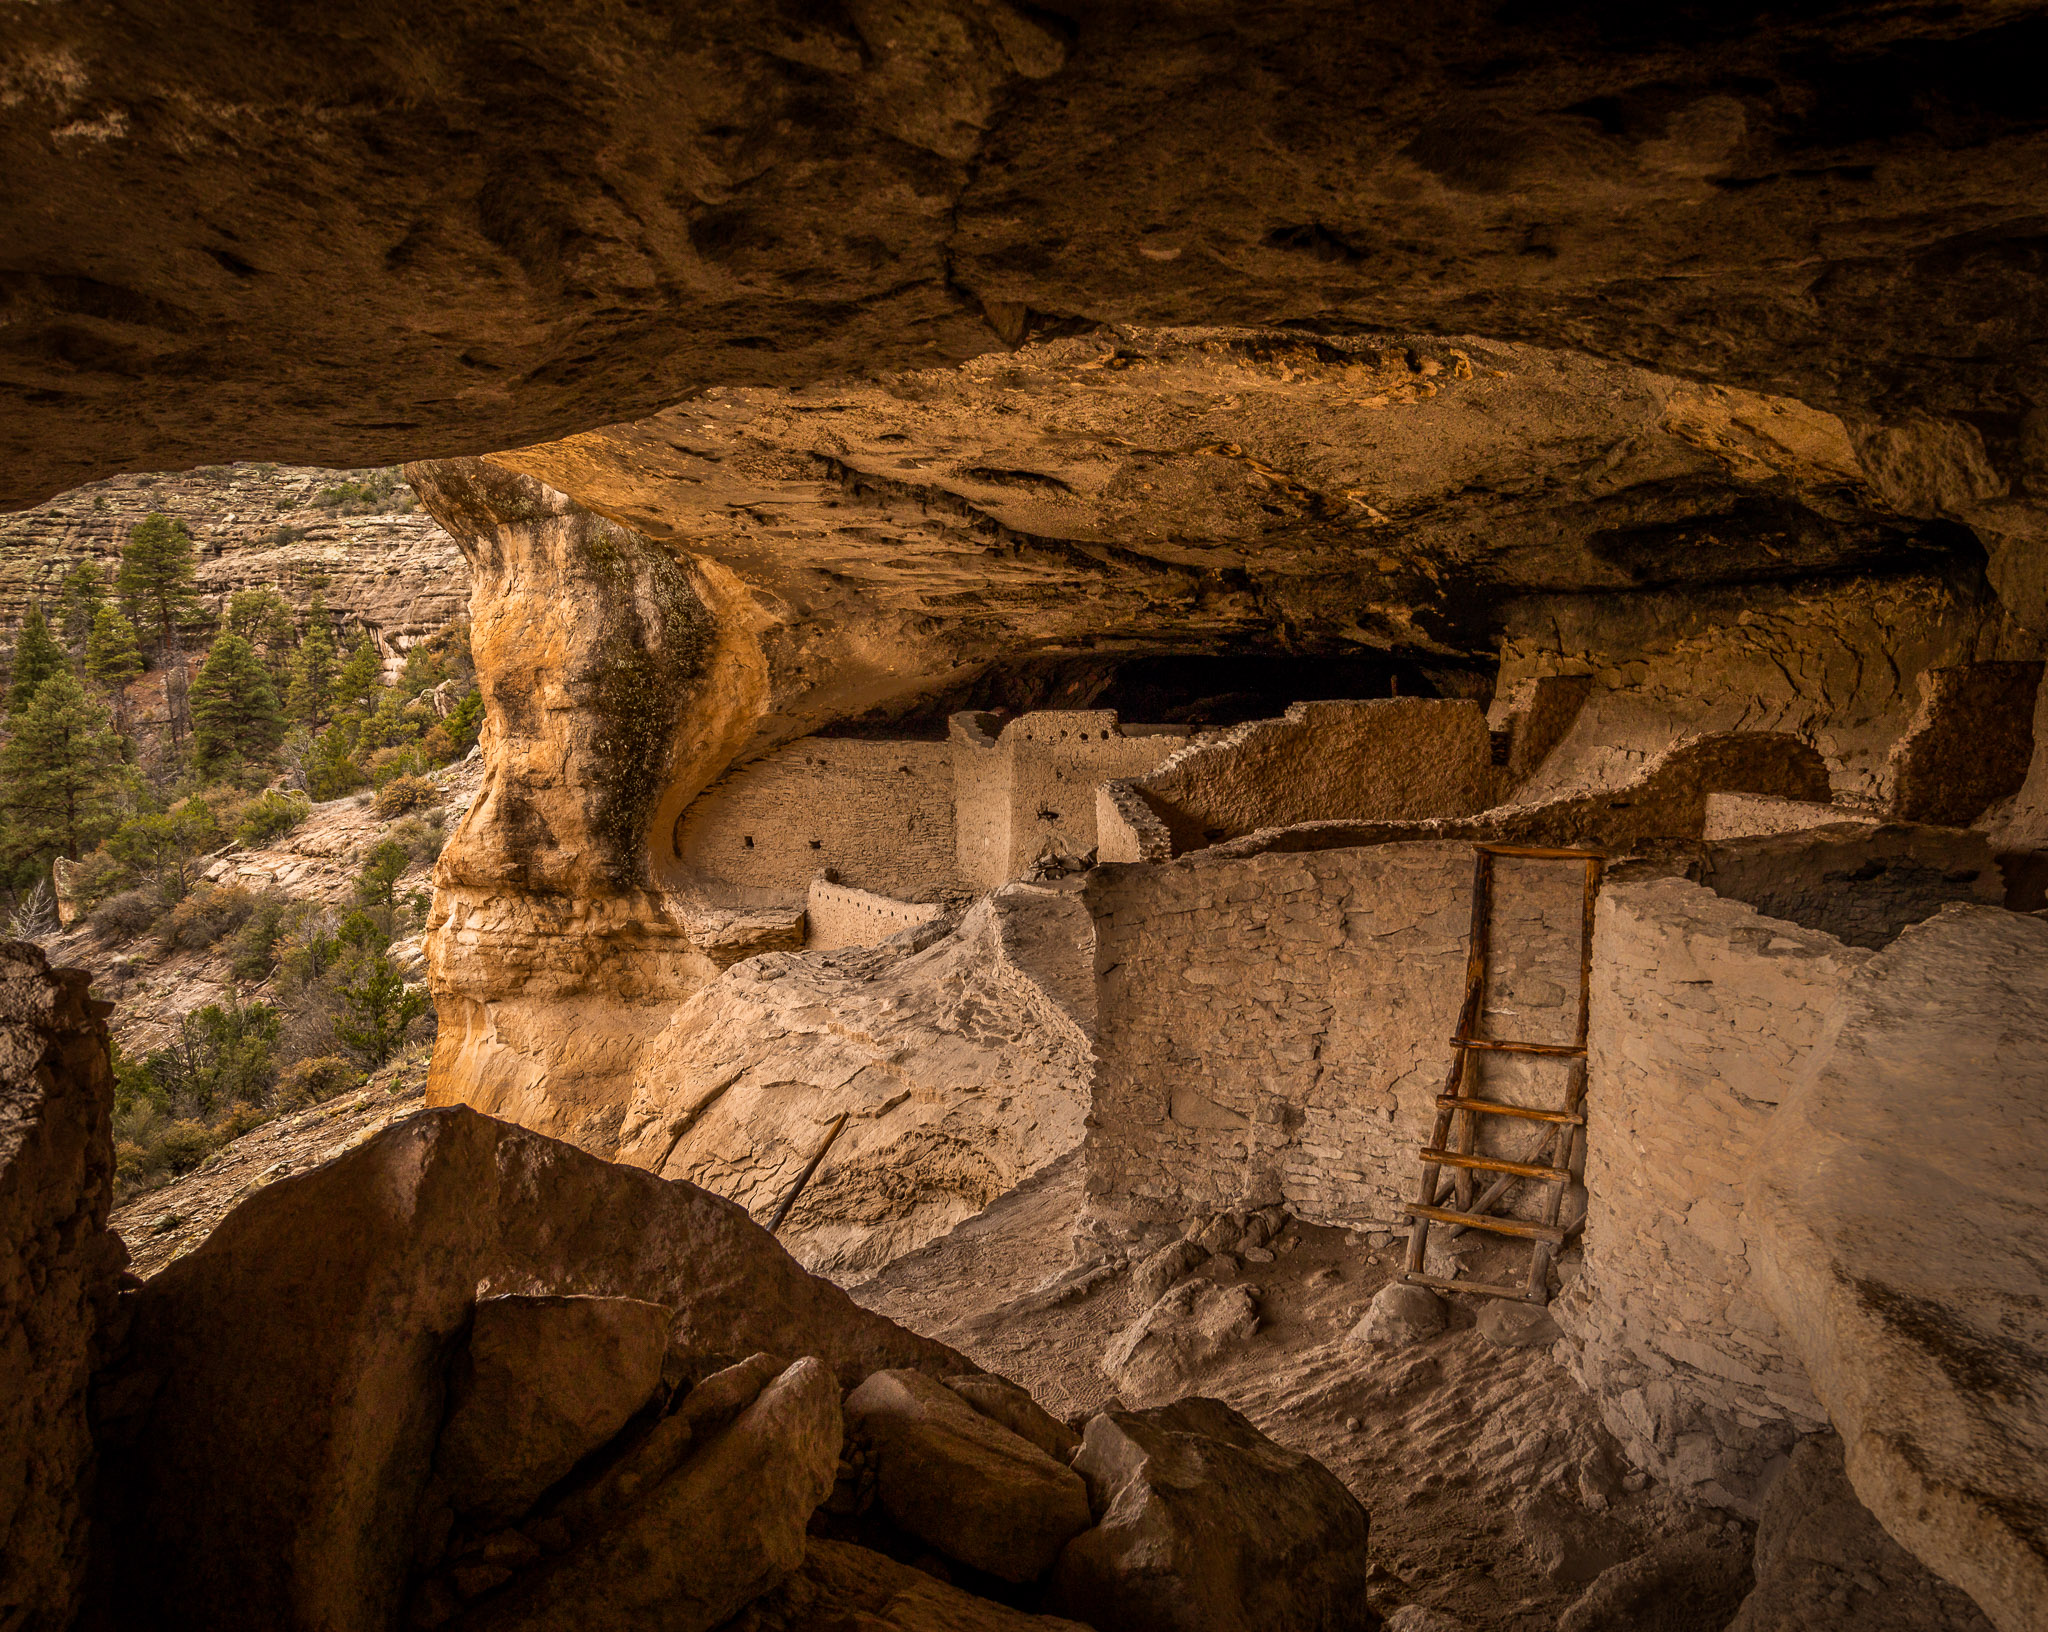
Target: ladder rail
[{"x": 1454, "y": 1137}]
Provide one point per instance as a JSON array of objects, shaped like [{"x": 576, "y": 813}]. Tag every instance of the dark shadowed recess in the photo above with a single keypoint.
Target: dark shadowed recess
[{"x": 1182, "y": 688}]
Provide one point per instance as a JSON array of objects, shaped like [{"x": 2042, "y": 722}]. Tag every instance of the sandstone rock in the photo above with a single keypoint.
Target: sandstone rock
[
  {"x": 1205, "y": 1525},
  {"x": 1823, "y": 1563},
  {"x": 1510, "y": 1325},
  {"x": 1190, "y": 1327},
  {"x": 1421, "y": 1618},
  {"x": 1007, "y": 1404},
  {"x": 543, "y": 1382},
  {"x": 1881, "y": 1222},
  {"x": 723, "y": 1528},
  {"x": 1159, "y": 1272},
  {"x": 704, "y": 1411},
  {"x": 1687, "y": 1583},
  {"x": 1398, "y": 1315},
  {"x": 842, "y": 1586},
  {"x": 320, "y": 1311},
  {"x": 961, "y": 1482},
  {"x": 58, "y": 1266}
]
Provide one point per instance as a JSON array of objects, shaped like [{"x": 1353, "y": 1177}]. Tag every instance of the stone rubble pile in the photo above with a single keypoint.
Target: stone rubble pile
[{"x": 465, "y": 1377}]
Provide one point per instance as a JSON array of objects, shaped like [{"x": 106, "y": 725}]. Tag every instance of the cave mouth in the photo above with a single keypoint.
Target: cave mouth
[{"x": 1206, "y": 690}]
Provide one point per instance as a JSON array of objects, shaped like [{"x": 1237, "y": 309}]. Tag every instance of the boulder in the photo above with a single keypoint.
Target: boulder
[
  {"x": 963, "y": 1483},
  {"x": 1398, "y": 1315},
  {"x": 58, "y": 1267},
  {"x": 319, "y": 1314},
  {"x": 1206, "y": 1525},
  {"x": 723, "y": 1528},
  {"x": 1005, "y": 1403},
  {"x": 1421, "y": 1618},
  {"x": 1158, "y": 1272},
  {"x": 543, "y": 1382},
  {"x": 1823, "y": 1564},
  {"x": 1510, "y": 1325},
  {"x": 1190, "y": 1327},
  {"x": 840, "y": 1586}
]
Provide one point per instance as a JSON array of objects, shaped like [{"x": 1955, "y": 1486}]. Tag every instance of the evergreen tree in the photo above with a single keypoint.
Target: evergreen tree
[
  {"x": 377, "y": 1007},
  {"x": 155, "y": 580},
  {"x": 37, "y": 657},
  {"x": 83, "y": 596},
  {"x": 264, "y": 619},
  {"x": 111, "y": 657},
  {"x": 312, "y": 670},
  {"x": 235, "y": 717},
  {"x": 331, "y": 770},
  {"x": 356, "y": 685},
  {"x": 61, "y": 770}
]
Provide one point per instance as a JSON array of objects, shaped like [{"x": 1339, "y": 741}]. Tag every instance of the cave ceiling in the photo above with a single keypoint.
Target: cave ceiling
[{"x": 355, "y": 233}]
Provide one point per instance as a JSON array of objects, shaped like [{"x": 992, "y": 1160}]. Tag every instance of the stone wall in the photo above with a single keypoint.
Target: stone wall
[
  {"x": 836, "y": 916},
  {"x": 1969, "y": 742},
  {"x": 1703, "y": 1012},
  {"x": 1029, "y": 790},
  {"x": 58, "y": 1264},
  {"x": 1744, "y": 815},
  {"x": 1274, "y": 1028},
  {"x": 878, "y": 814},
  {"x": 1390, "y": 759}
]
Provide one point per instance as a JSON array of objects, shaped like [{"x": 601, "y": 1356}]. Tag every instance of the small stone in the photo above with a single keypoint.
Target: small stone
[
  {"x": 510, "y": 1548},
  {"x": 1398, "y": 1315},
  {"x": 1165, "y": 1269},
  {"x": 1634, "y": 1480},
  {"x": 1421, "y": 1618},
  {"x": 1510, "y": 1325},
  {"x": 550, "y": 1535},
  {"x": 1352, "y": 1425},
  {"x": 1379, "y": 1240},
  {"x": 474, "y": 1580},
  {"x": 1257, "y": 1255}
]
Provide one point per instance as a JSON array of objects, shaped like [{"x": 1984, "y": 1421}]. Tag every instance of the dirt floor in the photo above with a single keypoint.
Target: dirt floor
[{"x": 1495, "y": 1494}]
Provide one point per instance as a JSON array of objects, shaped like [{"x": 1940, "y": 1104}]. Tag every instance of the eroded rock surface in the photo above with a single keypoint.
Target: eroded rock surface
[
  {"x": 1891, "y": 1219},
  {"x": 58, "y": 1268}
]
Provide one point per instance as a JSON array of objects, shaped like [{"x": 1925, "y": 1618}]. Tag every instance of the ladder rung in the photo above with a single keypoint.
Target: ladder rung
[
  {"x": 1486, "y": 1289},
  {"x": 1518, "y": 1048},
  {"x": 1538, "y": 852},
  {"x": 1494, "y": 1164},
  {"x": 1487, "y": 1221},
  {"x": 1488, "y": 1107}
]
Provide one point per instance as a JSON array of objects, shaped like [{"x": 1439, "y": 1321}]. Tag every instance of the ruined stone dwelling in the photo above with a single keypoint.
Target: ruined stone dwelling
[{"x": 1024, "y": 564}]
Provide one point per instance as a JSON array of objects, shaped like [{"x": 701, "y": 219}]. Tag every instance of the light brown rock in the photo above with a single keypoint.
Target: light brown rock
[
  {"x": 58, "y": 1264},
  {"x": 320, "y": 1311},
  {"x": 963, "y": 1483},
  {"x": 1206, "y": 1525},
  {"x": 723, "y": 1528},
  {"x": 1007, "y": 1404},
  {"x": 543, "y": 1382},
  {"x": 1884, "y": 1219},
  {"x": 1190, "y": 1327}
]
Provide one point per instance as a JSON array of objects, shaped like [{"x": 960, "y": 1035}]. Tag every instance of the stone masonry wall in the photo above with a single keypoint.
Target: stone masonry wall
[
  {"x": 1703, "y": 1011},
  {"x": 1275, "y": 1028},
  {"x": 1031, "y": 789},
  {"x": 879, "y": 814},
  {"x": 835, "y": 916}
]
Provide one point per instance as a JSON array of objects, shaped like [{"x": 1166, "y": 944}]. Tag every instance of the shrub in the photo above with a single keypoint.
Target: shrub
[
  {"x": 184, "y": 1145},
  {"x": 386, "y": 765},
  {"x": 421, "y": 840},
  {"x": 308, "y": 1082},
  {"x": 271, "y": 816},
  {"x": 406, "y": 793},
  {"x": 255, "y": 951},
  {"x": 377, "y": 884},
  {"x": 204, "y": 917},
  {"x": 124, "y": 916}
]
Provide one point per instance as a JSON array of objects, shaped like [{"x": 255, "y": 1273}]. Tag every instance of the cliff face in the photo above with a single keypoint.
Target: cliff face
[{"x": 387, "y": 563}]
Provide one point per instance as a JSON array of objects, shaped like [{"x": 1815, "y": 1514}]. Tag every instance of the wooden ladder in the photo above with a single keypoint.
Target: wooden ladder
[{"x": 1458, "y": 1110}]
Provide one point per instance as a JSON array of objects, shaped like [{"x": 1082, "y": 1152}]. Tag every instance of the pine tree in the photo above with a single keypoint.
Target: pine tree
[
  {"x": 331, "y": 770},
  {"x": 37, "y": 657},
  {"x": 235, "y": 717},
  {"x": 155, "y": 580},
  {"x": 61, "y": 770},
  {"x": 111, "y": 657},
  {"x": 264, "y": 619},
  {"x": 356, "y": 686},
  {"x": 377, "y": 1007},
  {"x": 83, "y": 596},
  {"x": 312, "y": 671}
]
